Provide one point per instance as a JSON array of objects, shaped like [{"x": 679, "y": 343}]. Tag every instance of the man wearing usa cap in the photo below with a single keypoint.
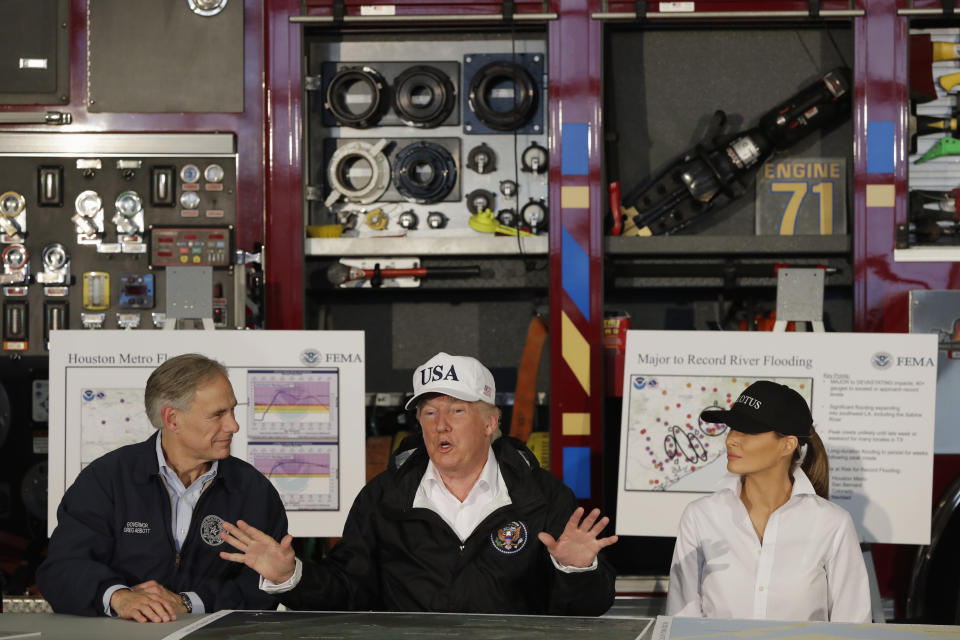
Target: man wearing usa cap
[{"x": 462, "y": 521}]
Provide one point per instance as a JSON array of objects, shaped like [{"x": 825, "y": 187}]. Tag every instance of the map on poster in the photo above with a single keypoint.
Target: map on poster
[
  {"x": 668, "y": 447},
  {"x": 110, "y": 418}
]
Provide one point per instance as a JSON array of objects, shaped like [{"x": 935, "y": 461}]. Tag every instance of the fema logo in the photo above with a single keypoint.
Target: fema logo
[
  {"x": 511, "y": 538},
  {"x": 881, "y": 360},
  {"x": 310, "y": 357},
  {"x": 210, "y": 528}
]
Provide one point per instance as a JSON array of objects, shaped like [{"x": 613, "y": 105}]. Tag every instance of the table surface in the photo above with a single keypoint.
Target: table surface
[
  {"x": 57, "y": 626},
  {"x": 341, "y": 624}
]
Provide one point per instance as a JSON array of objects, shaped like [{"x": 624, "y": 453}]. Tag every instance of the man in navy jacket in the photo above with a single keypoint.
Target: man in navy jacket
[
  {"x": 456, "y": 524},
  {"x": 138, "y": 531}
]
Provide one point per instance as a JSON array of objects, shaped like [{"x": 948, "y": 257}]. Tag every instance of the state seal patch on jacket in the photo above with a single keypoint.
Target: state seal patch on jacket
[
  {"x": 510, "y": 538},
  {"x": 210, "y": 528}
]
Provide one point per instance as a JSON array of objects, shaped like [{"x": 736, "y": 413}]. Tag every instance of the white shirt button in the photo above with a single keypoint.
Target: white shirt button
[{"x": 761, "y": 588}]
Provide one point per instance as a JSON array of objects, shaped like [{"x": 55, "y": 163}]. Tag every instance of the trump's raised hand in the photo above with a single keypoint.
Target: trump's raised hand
[
  {"x": 273, "y": 560},
  {"x": 578, "y": 545}
]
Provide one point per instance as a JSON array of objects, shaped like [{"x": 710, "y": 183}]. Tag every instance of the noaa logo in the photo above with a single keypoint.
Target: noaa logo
[
  {"x": 881, "y": 360},
  {"x": 210, "y": 528},
  {"x": 310, "y": 357},
  {"x": 639, "y": 382},
  {"x": 88, "y": 394},
  {"x": 510, "y": 538}
]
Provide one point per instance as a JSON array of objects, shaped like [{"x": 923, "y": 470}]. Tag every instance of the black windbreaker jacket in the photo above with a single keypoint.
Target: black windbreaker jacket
[
  {"x": 394, "y": 557},
  {"x": 113, "y": 527}
]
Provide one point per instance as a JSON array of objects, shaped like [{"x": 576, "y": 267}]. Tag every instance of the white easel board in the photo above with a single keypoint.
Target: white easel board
[
  {"x": 300, "y": 398},
  {"x": 872, "y": 397}
]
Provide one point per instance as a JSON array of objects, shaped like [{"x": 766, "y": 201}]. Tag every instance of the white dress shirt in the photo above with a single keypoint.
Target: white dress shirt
[
  {"x": 809, "y": 566},
  {"x": 488, "y": 494}
]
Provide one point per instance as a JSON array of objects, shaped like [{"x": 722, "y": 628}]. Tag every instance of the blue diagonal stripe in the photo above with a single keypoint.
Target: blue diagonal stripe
[{"x": 576, "y": 273}]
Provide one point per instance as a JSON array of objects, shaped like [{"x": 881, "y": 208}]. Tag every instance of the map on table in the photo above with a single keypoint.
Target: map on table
[{"x": 233, "y": 625}]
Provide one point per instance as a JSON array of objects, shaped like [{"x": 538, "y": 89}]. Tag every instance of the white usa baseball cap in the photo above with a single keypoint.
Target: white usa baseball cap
[{"x": 460, "y": 377}]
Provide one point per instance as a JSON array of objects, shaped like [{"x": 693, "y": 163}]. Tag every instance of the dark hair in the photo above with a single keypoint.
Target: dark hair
[{"x": 815, "y": 464}]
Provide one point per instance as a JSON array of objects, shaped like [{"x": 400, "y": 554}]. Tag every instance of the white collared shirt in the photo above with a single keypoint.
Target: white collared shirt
[
  {"x": 488, "y": 494},
  {"x": 809, "y": 566}
]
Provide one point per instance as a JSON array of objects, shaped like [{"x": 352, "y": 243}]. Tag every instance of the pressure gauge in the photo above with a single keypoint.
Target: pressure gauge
[
  {"x": 88, "y": 204},
  {"x": 482, "y": 159},
  {"x": 507, "y": 217},
  {"x": 189, "y": 200},
  {"x": 206, "y": 8},
  {"x": 129, "y": 204},
  {"x": 213, "y": 173},
  {"x": 54, "y": 256},
  {"x": 534, "y": 158},
  {"x": 480, "y": 199},
  {"x": 436, "y": 220},
  {"x": 189, "y": 173},
  {"x": 534, "y": 214},
  {"x": 12, "y": 204},
  {"x": 408, "y": 220},
  {"x": 15, "y": 257}
]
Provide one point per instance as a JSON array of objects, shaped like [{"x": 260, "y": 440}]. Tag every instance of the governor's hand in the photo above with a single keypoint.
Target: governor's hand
[
  {"x": 275, "y": 562},
  {"x": 578, "y": 544},
  {"x": 142, "y": 607},
  {"x": 154, "y": 588}
]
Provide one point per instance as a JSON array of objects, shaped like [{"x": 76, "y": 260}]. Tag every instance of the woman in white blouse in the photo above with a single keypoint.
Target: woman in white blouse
[{"x": 768, "y": 544}]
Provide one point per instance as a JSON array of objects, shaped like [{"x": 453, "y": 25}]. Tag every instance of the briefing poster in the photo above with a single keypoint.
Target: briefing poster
[
  {"x": 872, "y": 397},
  {"x": 300, "y": 407}
]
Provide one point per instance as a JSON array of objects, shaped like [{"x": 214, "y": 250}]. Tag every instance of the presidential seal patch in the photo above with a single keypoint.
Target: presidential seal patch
[
  {"x": 510, "y": 538},
  {"x": 210, "y": 528}
]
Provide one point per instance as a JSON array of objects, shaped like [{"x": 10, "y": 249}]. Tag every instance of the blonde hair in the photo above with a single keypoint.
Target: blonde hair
[{"x": 174, "y": 384}]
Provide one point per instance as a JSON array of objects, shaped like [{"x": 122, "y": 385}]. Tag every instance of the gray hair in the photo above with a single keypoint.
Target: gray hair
[{"x": 175, "y": 382}]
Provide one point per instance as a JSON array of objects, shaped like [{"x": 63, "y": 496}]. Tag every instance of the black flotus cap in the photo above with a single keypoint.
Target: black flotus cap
[{"x": 765, "y": 406}]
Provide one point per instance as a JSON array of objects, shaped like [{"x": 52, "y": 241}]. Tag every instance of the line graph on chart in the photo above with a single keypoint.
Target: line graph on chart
[{"x": 293, "y": 404}]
